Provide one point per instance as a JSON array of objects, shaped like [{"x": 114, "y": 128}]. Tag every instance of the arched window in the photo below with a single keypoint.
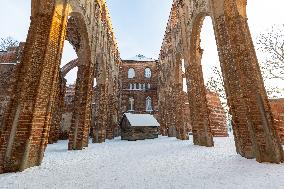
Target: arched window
[
  {"x": 147, "y": 73},
  {"x": 131, "y": 73},
  {"x": 131, "y": 104},
  {"x": 149, "y": 104}
]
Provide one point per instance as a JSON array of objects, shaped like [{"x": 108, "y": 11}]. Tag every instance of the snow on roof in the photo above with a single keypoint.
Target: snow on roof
[
  {"x": 140, "y": 120},
  {"x": 8, "y": 63},
  {"x": 141, "y": 57}
]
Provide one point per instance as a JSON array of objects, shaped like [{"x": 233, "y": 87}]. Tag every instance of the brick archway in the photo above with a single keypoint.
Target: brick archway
[
  {"x": 81, "y": 117},
  {"x": 68, "y": 67},
  {"x": 27, "y": 122},
  {"x": 253, "y": 126}
]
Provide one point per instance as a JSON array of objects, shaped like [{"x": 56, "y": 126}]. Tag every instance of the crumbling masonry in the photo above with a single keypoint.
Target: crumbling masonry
[
  {"x": 27, "y": 120},
  {"x": 35, "y": 103},
  {"x": 253, "y": 124}
]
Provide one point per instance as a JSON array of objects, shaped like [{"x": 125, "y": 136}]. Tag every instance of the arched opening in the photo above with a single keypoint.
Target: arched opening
[
  {"x": 68, "y": 55},
  {"x": 42, "y": 87},
  {"x": 242, "y": 82},
  {"x": 131, "y": 104},
  {"x": 69, "y": 70},
  {"x": 131, "y": 73},
  {"x": 199, "y": 113},
  {"x": 147, "y": 73},
  {"x": 149, "y": 107},
  {"x": 184, "y": 85},
  {"x": 268, "y": 35},
  {"x": 77, "y": 35},
  {"x": 75, "y": 53},
  {"x": 220, "y": 119},
  {"x": 72, "y": 58}
]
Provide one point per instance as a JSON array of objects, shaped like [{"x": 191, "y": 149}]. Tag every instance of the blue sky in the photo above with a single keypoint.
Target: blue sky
[{"x": 139, "y": 26}]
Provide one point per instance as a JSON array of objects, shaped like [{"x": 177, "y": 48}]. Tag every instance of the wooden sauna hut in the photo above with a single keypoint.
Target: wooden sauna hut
[{"x": 139, "y": 127}]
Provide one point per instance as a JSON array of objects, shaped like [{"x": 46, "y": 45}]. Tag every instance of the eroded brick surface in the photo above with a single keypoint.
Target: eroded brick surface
[
  {"x": 34, "y": 112},
  {"x": 254, "y": 128},
  {"x": 217, "y": 117},
  {"x": 277, "y": 106},
  {"x": 34, "y": 103}
]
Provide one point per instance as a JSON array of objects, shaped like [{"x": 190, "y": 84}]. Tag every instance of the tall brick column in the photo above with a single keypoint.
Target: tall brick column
[
  {"x": 179, "y": 112},
  {"x": 81, "y": 117},
  {"x": 117, "y": 100},
  {"x": 57, "y": 108},
  {"x": 171, "y": 114},
  {"x": 162, "y": 100},
  {"x": 178, "y": 98},
  {"x": 100, "y": 122},
  {"x": 162, "y": 116},
  {"x": 201, "y": 131},
  {"x": 257, "y": 136},
  {"x": 25, "y": 132},
  {"x": 110, "y": 121},
  {"x": 237, "y": 105}
]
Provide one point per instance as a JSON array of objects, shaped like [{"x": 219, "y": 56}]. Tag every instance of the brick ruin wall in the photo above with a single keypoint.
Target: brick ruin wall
[
  {"x": 56, "y": 133},
  {"x": 68, "y": 111},
  {"x": 217, "y": 117},
  {"x": 7, "y": 72},
  {"x": 8, "y": 65},
  {"x": 217, "y": 114},
  {"x": 277, "y": 107}
]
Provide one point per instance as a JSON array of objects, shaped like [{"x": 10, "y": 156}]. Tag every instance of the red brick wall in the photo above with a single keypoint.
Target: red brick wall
[
  {"x": 139, "y": 95},
  {"x": 8, "y": 64},
  {"x": 7, "y": 78},
  {"x": 277, "y": 106},
  {"x": 217, "y": 115}
]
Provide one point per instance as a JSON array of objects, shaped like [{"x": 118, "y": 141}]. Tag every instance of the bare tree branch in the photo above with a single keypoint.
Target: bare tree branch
[
  {"x": 271, "y": 44},
  {"x": 8, "y": 42}
]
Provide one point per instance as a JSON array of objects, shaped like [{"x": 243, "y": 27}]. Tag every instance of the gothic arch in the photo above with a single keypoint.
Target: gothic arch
[
  {"x": 28, "y": 120},
  {"x": 68, "y": 67},
  {"x": 253, "y": 126},
  {"x": 79, "y": 131}
]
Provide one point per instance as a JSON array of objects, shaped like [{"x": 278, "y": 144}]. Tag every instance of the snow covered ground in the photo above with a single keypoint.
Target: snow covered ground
[{"x": 164, "y": 163}]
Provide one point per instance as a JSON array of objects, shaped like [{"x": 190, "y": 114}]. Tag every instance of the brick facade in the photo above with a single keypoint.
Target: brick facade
[
  {"x": 133, "y": 88},
  {"x": 139, "y": 88}
]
